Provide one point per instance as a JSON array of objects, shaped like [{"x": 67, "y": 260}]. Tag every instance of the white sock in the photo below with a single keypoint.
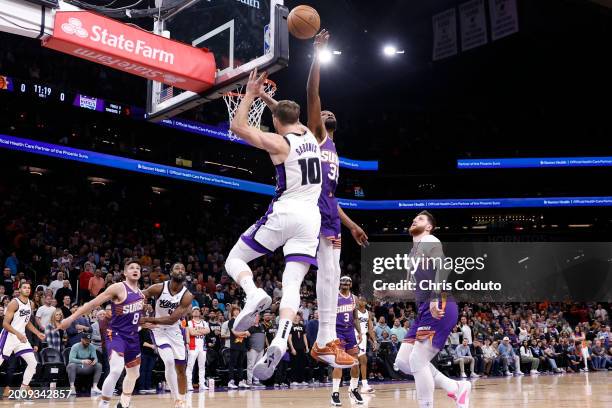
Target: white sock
[
  {"x": 364, "y": 383},
  {"x": 336, "y": 384},
  {"x": 284, "y": 330},
  {"x": 354, "y": 383},
  {"x": 327, "y": 293},
  {"x": 421, "y": 355},
  {"x": 248, "y": 285}
]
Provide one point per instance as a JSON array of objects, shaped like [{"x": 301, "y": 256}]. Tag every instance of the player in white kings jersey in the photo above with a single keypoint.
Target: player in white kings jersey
[
  {"x": 367, "y": 330},
  {"x": 197, "y": 329},
  {"x": 292, "y": 220},
  {"x": 173, "y": 301},
  {"x": 17, "y": 318}
]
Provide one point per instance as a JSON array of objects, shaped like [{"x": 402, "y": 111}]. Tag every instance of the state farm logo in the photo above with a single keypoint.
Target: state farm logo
[
  {"x": 120, "y": 41},
  {"x": 74, "y": 26}
]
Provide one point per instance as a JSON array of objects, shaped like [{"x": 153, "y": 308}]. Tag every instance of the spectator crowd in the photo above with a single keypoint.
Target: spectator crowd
[{"x": 70, "y": 241}]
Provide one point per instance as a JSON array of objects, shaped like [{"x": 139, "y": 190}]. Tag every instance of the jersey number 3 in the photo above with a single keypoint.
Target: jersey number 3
[{"x": 311, "y": 170}]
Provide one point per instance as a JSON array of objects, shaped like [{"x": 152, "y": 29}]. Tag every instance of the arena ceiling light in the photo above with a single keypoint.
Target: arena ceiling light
[
  {"x": 391, "y": 50},
  {"x": 325, "y": 56}
]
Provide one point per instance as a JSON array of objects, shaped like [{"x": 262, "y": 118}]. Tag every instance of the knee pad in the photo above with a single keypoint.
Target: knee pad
[
  {"x": 421, "y": 355},
  {"x": 116, "y": 365},
  {"x": 402, "y": 360},
  {"x": 292, "y": 280}
]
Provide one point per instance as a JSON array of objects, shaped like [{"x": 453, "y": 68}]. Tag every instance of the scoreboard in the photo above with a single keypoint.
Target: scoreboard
[{"x": 54, "y": 93}]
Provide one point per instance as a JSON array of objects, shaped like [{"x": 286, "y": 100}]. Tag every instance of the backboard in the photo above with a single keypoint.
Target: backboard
[{"x": 242, "y": 34}]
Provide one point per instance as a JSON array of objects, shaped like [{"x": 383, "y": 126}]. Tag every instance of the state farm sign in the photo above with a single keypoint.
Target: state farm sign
[{"x": 105, "y": 41}]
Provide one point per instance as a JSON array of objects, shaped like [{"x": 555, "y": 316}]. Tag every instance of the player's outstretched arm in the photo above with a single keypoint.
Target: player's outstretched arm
[
  {"x": 315, "y": 123},
  {"x": 356, "y": 231},
  {"x": 268, "y": 100},
  {"x": 112, "y": 292},
  {"x": 153, "y": 291},
  {"x": 175, "y": 316},
  {"x": 270, "y": 142}
]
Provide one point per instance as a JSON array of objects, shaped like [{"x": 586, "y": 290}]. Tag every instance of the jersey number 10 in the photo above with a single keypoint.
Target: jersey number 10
[{"x": 311, "y": 170}]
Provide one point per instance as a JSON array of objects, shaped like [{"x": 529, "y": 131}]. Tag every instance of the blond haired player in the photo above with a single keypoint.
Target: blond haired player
[{"x": 292, "y": 220}]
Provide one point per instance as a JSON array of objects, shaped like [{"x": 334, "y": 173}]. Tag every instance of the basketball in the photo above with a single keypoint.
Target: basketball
[{"x": 304, "y": 22}]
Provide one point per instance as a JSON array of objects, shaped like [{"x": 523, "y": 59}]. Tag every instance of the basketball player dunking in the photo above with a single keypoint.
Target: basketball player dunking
[
  {"x": 367, "y": 329},
  {"x": 323, "y": 125},
  {"x": 173, "y": 301},
  {"x": 292, "y": 220},
  {"x": 437, "y": 315},
  {"x": 17, "y": 318},
  {"x": 123, "y": 343},
  {"x": 348, "y": 330}
]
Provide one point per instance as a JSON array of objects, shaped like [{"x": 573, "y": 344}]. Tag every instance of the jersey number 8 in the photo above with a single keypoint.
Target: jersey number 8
[{"x": 136, "y": 318}]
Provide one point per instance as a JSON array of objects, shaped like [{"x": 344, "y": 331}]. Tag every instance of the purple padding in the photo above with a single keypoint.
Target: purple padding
[
  {"x": 179, "y": 362},
  {"x": 301, "y": 258},
  {"x": 254, "y": 245},
  {"x": 23, "y": 352}
]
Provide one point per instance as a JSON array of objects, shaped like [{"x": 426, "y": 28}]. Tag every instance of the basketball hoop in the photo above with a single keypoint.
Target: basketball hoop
[{"x": 233, "y": 99}]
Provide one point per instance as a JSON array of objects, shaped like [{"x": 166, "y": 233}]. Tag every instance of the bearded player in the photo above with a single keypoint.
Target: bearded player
[
  {"x": 17, "y": 319},
  {"x": 323, "y": 125},
  {"x": 123, "y": 344},
  {"x": 437, "y": 315},
  {"x": 173, "y": 301}
]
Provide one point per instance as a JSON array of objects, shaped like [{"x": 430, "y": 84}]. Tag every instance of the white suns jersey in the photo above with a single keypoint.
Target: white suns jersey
[
  {"x": 363, "y": 321},
  {"x": 166, "y": 303},
  {"x": 22, "y": 316},
  {"x": 299, "y": 177}
]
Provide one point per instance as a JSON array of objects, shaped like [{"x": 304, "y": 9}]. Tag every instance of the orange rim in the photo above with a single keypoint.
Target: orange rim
[{"x": 240, "y": 95}]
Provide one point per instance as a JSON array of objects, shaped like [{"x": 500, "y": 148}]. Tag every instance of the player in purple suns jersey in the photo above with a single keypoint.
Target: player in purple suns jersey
[
  {"x": 323, "y": 125},
  {"x": 122, "y": 344},
  {"x": 437, "y": 315},
  {"x": 347, "y": 323}
]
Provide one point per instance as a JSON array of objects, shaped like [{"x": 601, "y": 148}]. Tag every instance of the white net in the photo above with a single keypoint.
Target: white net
[{"x": 233, "y": 99}]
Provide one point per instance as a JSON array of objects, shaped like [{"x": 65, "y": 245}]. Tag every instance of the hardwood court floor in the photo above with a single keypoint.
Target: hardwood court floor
[{"x": 588, "y": 390}]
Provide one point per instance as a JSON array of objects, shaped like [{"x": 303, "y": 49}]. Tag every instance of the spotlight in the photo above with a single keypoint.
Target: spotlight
[
  {"x": 391, "y": 50},
  {"x": 325, "y": 56}
]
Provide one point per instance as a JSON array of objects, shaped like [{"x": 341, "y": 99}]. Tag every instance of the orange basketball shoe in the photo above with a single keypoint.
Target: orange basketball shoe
[{"x": 333, "y": 354}]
